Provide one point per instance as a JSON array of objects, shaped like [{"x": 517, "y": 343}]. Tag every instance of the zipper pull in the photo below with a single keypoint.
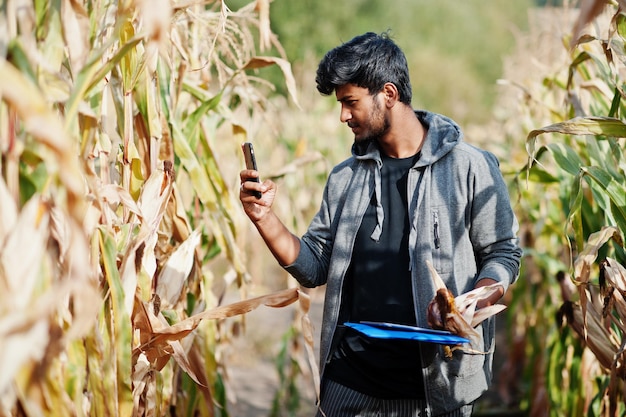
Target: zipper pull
[{"x": 436, "y": 229}]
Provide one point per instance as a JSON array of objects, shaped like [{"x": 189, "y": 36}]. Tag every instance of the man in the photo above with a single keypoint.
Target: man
[{"x": 411, "y": 192}]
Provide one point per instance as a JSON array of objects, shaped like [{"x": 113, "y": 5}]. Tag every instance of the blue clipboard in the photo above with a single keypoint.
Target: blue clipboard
[{"x": 381, "y": 330}]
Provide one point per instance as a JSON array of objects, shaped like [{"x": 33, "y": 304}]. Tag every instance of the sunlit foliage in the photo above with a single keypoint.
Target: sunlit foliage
[
  {"x": 570, "y": 312},
  {"x": 114, "y": 203}
]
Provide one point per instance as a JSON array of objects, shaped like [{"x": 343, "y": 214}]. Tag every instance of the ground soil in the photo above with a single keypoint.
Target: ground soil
[{"x": 252, "y": 370}]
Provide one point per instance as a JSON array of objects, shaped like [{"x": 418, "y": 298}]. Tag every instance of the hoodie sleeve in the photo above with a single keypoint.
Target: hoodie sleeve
[
  {"x": 494, "y": 226},
  {"x": 310, "y": 268}
]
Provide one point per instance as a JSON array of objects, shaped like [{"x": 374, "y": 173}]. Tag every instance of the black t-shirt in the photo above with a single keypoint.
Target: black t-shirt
[{"x": 378, "y": 288}]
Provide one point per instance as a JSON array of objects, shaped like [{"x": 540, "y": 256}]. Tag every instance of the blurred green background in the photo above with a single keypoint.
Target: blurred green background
[{"x": 454, "y": 48}]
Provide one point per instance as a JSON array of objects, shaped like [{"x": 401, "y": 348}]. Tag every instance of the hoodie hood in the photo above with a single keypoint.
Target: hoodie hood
[{"x": 442, "y": 135}]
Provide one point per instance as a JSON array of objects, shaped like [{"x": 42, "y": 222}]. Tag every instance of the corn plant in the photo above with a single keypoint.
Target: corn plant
[
  {"x": 573, "y": 211},
  {"x": 115, "y": 207}
]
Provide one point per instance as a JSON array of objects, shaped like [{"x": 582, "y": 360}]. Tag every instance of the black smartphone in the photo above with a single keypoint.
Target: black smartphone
[{"x": 248, "y": 154}]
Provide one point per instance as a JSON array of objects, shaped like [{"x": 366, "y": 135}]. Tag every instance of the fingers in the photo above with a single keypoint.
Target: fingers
[
  {"x": 251, "y": 188},
  {"x": 248, "y": 174},
  {"x": 245, "y": 176}
]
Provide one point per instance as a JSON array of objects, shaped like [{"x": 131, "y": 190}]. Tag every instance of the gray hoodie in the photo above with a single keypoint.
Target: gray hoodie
[{"x": 461, "y": 221}]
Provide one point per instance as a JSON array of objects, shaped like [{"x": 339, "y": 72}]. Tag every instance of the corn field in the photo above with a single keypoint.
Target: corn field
[
  {"x": 568, "y": 312},
  {"x": 120, "y": 228},
  {"x": 114, "y": 202}
]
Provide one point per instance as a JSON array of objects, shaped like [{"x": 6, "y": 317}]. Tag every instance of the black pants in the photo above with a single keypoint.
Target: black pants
[{"x": 337, "y": 400}]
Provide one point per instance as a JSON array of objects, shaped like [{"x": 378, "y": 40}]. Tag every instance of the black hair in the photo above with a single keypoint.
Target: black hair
[{"x": 369, "y": 60}]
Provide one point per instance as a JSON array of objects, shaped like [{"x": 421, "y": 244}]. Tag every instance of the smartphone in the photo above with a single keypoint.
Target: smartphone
[{"x": 248, "y": 153}]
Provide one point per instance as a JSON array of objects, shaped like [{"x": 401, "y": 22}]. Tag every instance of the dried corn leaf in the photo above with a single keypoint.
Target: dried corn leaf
[
  {"x": 599, "y": 320},
  {"x": 307, "y": 334},
  {"x": 100, "y": 83},
  {"x": 589, "y": 253},
  {"x": 75, "y": 21},
  {"x": 179, "y": 227},
  {"x": 28, "y": 239},
  {"x": 8, "y": 211},
  {"x": 20, "y": 345},
  {"x": 45, "y": 126},
  {"x": 157, "y": 336},
  {"x": 284, "y": 65},
  {"x": 265, "y": 32},
  {"x": 295, "y": 165},
  {"x": 589, "y": 10},
  {"x": 84, "y": 300},
  {"x": 584, "y": 262},
  {"x": 599, "y": 339},
  {"x": 156, "y": 19},
  {"x": 152, "y": 204},
  {"x": 113, "y": 194},
  {"x": 192, "y": 363},
  {"x": 142, "y": 379},
  {"x": 25, "y": 333},
  {"x": 615, "y": 274},
  {"x": 183, "y": 328},
  {"x": 176, "y": 270}
]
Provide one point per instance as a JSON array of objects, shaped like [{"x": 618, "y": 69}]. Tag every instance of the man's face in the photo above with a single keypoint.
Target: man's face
[{"x": 362, "y": 112}]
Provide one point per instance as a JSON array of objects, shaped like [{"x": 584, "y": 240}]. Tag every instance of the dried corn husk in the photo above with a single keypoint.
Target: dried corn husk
[
  {"x": 458, "y": 314},
  {"x": 599, "y": 318}
]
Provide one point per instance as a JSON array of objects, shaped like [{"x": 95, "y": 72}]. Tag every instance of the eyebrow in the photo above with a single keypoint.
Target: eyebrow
[{"x": 347, "y": 97}]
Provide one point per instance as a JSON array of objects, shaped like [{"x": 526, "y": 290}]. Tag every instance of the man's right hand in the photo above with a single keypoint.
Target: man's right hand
[
  {"x": 284, "y": 245},
  {"x": 256, "y": 208}
]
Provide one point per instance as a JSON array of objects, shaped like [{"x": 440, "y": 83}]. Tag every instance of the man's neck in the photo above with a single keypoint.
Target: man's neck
[{"x": 406, "y": 135}]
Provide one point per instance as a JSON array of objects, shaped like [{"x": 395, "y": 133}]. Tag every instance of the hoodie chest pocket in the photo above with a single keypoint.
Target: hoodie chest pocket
[{"x": 441, "y": 240}]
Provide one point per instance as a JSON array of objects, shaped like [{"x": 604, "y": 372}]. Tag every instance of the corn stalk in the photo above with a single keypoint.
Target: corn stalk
[
  {"x": 573, "y": 208},
  {"x": 114, "y": 203}
]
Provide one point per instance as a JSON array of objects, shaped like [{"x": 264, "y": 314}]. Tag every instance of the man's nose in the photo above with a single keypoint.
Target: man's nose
[{"x": 345, "y": 115}]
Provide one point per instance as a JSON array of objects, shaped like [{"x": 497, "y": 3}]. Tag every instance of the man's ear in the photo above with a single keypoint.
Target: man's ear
[{"x": 391, "y": 94}]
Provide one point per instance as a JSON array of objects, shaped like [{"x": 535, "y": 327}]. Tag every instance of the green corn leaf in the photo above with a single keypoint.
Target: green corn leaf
[
  {"x": 603, "y": 152},
  {"x": 76, "y": 372},
  {"x": 192, "y": 165},
  {"x": 538, "y": 174},
  {"x": 165, "y": 93},
  {"x": 617, "y": 154},
  {"x": 101, "y": 378},
  {"x": 136, "y": 178},
  {"x": 153, "y": 108},
  {"x": 616, "y": 190},
  {"x": 128, "y": 62},
  {"x": 576, "y": 65},
  {"x": 122, "y": 337},
  {"x": 192, "y": 121},
  {"x": 565, "y": 157},
  {"x": 575, "y": 209},
  {"x": 615, "y": 104},
  {"x": 17, "y": 56},
  {"x": 92, "y": 74},
  {"x": 620, "y": 24}
]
